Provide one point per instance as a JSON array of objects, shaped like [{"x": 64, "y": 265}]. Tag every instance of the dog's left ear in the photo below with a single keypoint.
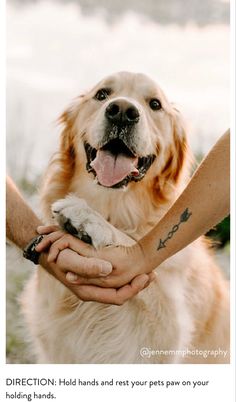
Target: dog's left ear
[
  {"x": 181, "y": 145},
  {"x": 178, "y": 151}
]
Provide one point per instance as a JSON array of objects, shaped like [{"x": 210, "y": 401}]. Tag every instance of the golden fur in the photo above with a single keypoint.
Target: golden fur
[{"x": 186, "y": 308}]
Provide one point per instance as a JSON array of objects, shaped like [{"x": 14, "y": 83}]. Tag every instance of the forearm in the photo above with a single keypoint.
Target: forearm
[
  {"x": 21, "y": 222},
  {"x": 204, "y": 203},
  {"x": 21, "y": 225}
]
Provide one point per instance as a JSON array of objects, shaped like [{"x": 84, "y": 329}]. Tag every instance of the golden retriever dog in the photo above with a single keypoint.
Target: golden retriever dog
[{"x": 122, "y": 161}]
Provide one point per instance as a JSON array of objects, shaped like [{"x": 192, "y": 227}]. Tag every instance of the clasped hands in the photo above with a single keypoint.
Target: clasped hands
[{"x": 111, "y": 275}]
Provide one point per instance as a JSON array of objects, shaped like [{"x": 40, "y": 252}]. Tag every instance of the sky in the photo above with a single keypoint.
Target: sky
[{"x": 55, "y": 52}]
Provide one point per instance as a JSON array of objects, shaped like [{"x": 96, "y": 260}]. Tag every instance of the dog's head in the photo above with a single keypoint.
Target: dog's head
[{"x": 124, "y": 131}]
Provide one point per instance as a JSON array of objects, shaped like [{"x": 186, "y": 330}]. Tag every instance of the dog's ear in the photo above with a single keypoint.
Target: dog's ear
[
  {"x": 67, "y": 120},
  {"x": 67, "y": 152},
  {"x": 178, "y": 152},
  {"x": 177, "y": 159},
  {"x": 62, "y": 166}
]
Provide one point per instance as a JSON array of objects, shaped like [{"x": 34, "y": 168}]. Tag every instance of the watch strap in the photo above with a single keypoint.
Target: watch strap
[{"x": 29, "y": 251}]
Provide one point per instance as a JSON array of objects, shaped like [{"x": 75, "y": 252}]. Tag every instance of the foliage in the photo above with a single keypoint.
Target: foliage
[{"x": 221, "y": 233}]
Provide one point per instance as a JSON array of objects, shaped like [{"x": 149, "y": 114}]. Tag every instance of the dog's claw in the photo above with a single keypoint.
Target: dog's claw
[{"x": 70, "y": 228}]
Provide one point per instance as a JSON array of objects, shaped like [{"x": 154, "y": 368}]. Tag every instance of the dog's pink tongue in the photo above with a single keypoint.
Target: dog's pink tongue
[{"x": 111, "y": 169}]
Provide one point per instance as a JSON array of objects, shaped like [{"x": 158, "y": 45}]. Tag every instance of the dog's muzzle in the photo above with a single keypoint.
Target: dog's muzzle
[{"x": 116, "y": 161}]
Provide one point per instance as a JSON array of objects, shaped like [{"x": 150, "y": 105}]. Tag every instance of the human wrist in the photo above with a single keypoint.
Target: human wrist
[
  {"x": 150, "y": 258},
  {"x": 139, "y": 259},
  {"x": 21, "y": 221}
]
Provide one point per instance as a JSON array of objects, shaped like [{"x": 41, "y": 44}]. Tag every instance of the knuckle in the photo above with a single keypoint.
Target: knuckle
[
  {"x": 102, "y": 281},
  {"x": 51, "y": 236},
  {"x": 90, "y": 268},
  {"x": 68, "y": 236},
  {"x": 83, "y": 269},
  {"x": 93, "y": 268},
  {"x": 53, "y": 247},
  {"x": 65, "y": 237}
]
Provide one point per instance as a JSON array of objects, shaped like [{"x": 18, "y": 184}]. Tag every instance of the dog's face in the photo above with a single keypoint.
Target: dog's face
[{"x": 124, "y": 127}]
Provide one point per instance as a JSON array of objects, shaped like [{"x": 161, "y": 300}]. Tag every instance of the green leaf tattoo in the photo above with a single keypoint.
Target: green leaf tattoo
[{"x": 183, "y": 218}]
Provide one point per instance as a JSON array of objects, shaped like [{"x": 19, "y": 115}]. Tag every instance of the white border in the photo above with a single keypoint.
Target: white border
[
  {"x": 2, "y": 179},
  {"x": 232, "y": 185},
  {"x": 222, "y": 377}
]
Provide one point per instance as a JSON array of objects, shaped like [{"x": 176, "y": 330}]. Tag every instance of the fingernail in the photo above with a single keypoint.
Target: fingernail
[
  {"x": 71, "y": 277},
  {"x": 106, "y": 268},
  {"x": 39, "y": 229}
]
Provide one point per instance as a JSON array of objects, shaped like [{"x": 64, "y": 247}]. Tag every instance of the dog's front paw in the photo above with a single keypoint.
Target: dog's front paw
[{"x": 76, "y": 217}]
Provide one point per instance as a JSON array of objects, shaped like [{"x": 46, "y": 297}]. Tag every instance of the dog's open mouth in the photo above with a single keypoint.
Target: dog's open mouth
[{"x": 114, "y": 165}]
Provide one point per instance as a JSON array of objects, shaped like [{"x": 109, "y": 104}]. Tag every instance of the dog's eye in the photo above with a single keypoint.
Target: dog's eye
[
  {"x": 102, "y": 94},
  {"x": 155, "y": 104}
]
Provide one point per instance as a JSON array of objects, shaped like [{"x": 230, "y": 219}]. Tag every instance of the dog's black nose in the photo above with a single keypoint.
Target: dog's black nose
[{"x": 122, "y": 112}]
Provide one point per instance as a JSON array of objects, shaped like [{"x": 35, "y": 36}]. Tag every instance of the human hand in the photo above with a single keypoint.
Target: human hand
[
  {"x": 127, "y": 262},
  {"x": 82, "y": 265},
  {"x": 70, "y": 260}
]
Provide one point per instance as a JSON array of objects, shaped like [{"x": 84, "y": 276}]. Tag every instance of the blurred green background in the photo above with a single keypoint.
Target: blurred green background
[{"x": 220, "y": 235}]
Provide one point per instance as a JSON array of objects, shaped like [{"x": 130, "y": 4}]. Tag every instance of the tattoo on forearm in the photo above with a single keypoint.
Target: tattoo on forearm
[{"x": 183, "y": 218}]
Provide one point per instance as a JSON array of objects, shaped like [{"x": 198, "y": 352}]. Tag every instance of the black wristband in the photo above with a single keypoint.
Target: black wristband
[{"x": 29, "y": 251}]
